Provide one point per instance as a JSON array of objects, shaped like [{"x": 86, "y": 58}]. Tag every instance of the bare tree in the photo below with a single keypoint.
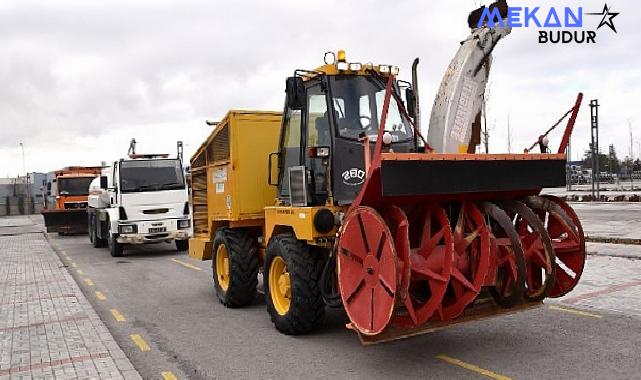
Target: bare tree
[{"x": 509, "y": 135}]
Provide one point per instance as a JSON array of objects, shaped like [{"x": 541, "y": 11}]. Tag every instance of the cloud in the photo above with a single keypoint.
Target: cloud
[{"x": 78, "y": 79}]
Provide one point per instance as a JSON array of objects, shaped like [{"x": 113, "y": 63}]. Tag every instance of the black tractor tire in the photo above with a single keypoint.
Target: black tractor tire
[
  {"x": 243, "y": 267},
  {"x": 305, "y": 267},
  {"x": 116, "y": 249},
  {"x": 182, "y": 245}
]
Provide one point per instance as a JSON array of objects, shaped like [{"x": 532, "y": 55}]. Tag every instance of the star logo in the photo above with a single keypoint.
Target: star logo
[{"x": 607, "y": 18}]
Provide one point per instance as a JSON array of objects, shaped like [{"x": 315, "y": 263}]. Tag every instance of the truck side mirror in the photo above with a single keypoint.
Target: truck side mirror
[
  {"x": 103, "y": 182},
  {"x": 295, "y": 91},
  {"x": 410, "y": 98},
  {"x": 48, "y": 186}
]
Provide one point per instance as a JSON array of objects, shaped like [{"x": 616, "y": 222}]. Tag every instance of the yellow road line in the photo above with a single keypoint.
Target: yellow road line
[
  {"x": 186, "y": 264},
  {"x": 472, "y": 367},
  {"x": 138, "y": 341},
  {"x": 80, "y": 272},
  {"x": 168, "y": 375},
  {"x": 89, "y": 282},
  {"x": 100, "y": 295},
  {"x": 117, "y": 316},
  {"x": 575, "y": 311}
]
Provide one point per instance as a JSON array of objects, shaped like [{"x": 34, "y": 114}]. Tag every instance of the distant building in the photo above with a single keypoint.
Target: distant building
[{"x": 23, "y": 194}]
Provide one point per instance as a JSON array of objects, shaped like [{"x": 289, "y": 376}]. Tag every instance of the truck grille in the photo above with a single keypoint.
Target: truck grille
[{"x": 75, "y": 205}]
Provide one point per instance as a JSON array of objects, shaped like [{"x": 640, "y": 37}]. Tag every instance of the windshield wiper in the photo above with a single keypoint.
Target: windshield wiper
[
  {"x": 158, "y": 186},
  {"x": 147, "y": 187}
]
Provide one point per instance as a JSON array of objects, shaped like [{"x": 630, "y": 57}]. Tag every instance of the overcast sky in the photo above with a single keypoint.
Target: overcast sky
[{"x": 79, "y": 79}]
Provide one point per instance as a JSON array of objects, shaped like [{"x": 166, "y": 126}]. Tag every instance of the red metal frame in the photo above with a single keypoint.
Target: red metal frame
[{"x": 570, "y": 126}]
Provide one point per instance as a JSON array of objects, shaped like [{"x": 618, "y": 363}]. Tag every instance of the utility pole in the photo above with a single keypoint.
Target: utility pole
[
  {"x": 631, "y": 140},
  {"x": 594, "y": 147},
  {"x": 631, "y": 155},
  {"x": 638, "y": 157},
  {"x": 568, "y": 166}
]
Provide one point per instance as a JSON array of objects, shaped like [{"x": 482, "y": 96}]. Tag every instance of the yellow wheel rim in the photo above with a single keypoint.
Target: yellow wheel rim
[
  {"x": 280, "y": 286},
  {"x": 222, "y": 267}
]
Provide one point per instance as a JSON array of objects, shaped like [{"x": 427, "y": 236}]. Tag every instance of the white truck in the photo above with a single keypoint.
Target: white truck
[{"x": 140, "y": 200}]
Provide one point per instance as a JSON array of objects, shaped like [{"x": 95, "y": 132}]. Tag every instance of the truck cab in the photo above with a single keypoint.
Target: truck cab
[
  {"x": 140, "y": 200},
  {"x": 66, "y": 200}
]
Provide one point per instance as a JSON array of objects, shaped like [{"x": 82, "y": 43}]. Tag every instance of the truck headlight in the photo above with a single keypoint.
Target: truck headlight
[
  {"x": 184, "y": 224},
  {"x": 127, "y": 228}
]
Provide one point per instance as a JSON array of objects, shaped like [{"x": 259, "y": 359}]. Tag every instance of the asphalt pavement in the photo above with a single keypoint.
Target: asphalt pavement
[
  {"x": 167, "y": 300},
  {"x": 610, "y": 219}
]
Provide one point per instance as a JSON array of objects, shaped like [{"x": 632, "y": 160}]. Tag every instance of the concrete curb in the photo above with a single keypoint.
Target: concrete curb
[
  {"x": 609, "y": 240},
  {"x": 601, "y": 198}
]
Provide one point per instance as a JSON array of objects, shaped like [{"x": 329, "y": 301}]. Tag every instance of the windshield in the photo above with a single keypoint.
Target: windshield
[
  {"x": 358, "y": 104},
  {"x": 151, "y": 175},
  {"x": 74, "y": 186}
]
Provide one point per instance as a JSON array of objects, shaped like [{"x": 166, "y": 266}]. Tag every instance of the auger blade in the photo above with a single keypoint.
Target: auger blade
[
  {"x": 510, "y": 261},
  {"x": 430, "y": 265},
  {"x": 471, "y": 259},
  {"x": 537, "y": 250},
  {"x": 568, "y": 241}
]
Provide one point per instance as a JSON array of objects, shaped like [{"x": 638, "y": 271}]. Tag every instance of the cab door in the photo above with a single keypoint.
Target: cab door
[{"x": 318, "y": 139}]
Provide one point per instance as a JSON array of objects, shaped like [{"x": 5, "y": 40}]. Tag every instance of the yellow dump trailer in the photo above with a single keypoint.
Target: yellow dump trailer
[{"x": 229, "y": 176}]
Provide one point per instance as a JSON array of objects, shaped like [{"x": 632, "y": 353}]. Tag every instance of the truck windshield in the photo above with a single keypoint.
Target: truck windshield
[
  {"x": 151, "y": 175},
  {"x": 358, "y": 104},
  {"x": 74, "y": 186}
]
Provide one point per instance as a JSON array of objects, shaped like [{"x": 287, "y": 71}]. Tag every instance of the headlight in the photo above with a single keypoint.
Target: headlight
[
  {"x": 127, "y": 228},
  {"x": 342, "y": 66},
  {"x": 184, "y": 223}
]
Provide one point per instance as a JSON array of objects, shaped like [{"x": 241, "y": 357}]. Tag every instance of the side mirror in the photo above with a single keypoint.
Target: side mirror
[
  {"x": 103, "y": 182},
  {"x": 410, "y": 98},
  {"x": 48, "y": 186},
  {"x": 295, "y": 91}
]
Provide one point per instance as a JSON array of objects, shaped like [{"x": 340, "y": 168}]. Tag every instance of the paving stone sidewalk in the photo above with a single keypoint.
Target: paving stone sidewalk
[{"x": 48, "y": 329}]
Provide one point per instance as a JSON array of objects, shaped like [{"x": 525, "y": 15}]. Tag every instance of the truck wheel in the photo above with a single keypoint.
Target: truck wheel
[
  {"x": 292, "y": 285},
  {"x": 182, "y": 245},
  {"x": 116, "y": 249},
  {"x": 91, "y": 231},
  {"x": 235, "y": 267},
  {"x": 93, "y": 234}
]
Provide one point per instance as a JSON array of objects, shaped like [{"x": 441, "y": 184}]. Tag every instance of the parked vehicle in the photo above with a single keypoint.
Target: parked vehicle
[
  {"x": 343, "y": 203},
  {"x": 66, "y": 199},
  {"x": 139, "y": 200}
]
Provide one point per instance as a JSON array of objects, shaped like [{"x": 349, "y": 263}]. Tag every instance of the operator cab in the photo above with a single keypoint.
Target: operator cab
[{"x": 328, "y": 115}]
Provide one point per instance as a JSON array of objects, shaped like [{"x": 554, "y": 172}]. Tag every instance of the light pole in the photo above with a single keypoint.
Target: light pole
[{"x": 24, "y": 173}]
